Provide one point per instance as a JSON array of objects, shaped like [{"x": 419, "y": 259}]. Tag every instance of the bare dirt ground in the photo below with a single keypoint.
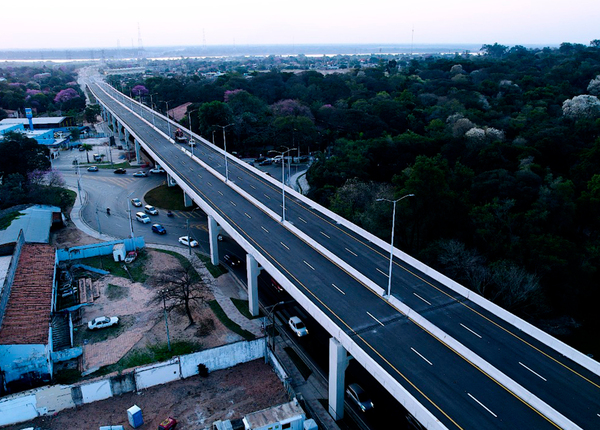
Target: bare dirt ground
[{"x": 195, "y": 402}]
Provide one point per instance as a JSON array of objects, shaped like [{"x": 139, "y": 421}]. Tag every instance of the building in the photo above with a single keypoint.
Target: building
[
  {"x": 282, "y": 417},
  {"x": 26, "y": 304},
  {"x": 43, "y": 123}
]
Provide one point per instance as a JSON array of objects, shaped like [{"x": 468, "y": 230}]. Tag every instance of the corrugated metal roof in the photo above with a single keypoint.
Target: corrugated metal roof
[
  {"x": 40, "y": 120},
  {"x": 35, "y": 223}
]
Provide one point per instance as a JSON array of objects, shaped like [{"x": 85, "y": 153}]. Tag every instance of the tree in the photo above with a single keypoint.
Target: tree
[
  {"x": 582, "y": 106},
  {"x": 75, "y": 133},
  {"x": 21, "y": 154},
  {"x": 91, "y": 113},
  {"x": 65, "y": 95},
  {"x": 87, "y": 148},
  {"x": 183, "y": 287},
  {"x": 211, "y": 115},
  {"x": 495, "y": 50},
  {"x": 139, "y": 90}
]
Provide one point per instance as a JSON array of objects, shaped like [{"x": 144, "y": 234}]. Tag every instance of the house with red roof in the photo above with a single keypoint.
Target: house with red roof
[{"x": 26, "y": 305}]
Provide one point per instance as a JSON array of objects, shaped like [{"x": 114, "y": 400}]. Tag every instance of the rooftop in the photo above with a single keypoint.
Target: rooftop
[
  {"x": 277, "y": 414},
  {"x": 40, "y": 120},
  {"x": 27, "y": 316},
  {"x": 35, "y": 222}
]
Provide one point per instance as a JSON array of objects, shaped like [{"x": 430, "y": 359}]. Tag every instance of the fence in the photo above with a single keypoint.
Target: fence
[{"x": 48, "y": 400}]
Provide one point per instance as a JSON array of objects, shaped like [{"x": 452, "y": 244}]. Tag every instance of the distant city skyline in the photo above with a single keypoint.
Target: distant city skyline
[{"x": 39, "y": 24}]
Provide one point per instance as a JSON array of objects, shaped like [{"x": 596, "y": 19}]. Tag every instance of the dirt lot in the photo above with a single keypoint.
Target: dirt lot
[{"x": 195, "y": 402}]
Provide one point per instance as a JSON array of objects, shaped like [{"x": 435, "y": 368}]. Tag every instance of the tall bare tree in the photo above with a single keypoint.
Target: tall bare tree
[{"x": 182, "y": 288}]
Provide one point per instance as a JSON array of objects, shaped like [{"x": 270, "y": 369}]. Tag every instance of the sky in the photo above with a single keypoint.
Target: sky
[{"x": 71, "y": 24}]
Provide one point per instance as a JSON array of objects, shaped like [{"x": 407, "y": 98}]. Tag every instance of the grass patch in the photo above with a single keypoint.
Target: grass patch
[
  {"x": 167, "y": 197},
  {"x": 136, "y": 269},
  {"x": 220, "y": 314},
  {"x": 151, "y": 354},
  {"x": 215, "y": 271},
  {"x": 106, "y": 165},
  {"x": 242, "y": 306},
  {"x": 185, "y": 263},
  {"x": 67, "y": 376},
  {"x": 6, "y": 220},
  {"x": 115, "y": 292},
  {"x": 300, "y": 365}
]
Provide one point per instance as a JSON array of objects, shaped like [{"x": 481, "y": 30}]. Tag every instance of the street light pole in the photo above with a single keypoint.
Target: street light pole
[
  {"x": 282, "y": 153},
  {"x": 272, "y": 315},
  {"x": 163, "y": 293},
  {"x": 225, "y": 149},
  {"x": 389, "y": 290},
  {"x": 191, "y": 142}
]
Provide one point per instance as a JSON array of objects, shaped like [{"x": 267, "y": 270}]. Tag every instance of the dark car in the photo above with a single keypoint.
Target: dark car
[
  {"x": 359, "y": 397},
  {"x": 232, "y": 260},
  {"x": 159, "y": 229},
  {"x": 120, "y": 171}
]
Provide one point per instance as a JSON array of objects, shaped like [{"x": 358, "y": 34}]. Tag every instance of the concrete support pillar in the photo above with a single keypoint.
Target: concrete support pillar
[
  {"x": 213, "y": 233},
  {"x": 171, "y": 182},
  {"x": 137, "y": 151},
  {"x": 187, "y": 200},
  {"x": 252, "y": 271},
  {"x": 338, "y": 361},
  {"x": 127, "y": 138}
]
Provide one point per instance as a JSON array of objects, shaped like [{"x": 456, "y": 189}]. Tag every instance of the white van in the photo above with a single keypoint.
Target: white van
[{"x": 142, "y": 217}]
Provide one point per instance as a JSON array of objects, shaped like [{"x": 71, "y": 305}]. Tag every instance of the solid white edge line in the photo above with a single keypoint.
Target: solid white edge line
[
  {"x": 419, "y": 354},
  {"x": 482, "y": 405},
  {"x": 369, "y": 313},
  {"x": 534, "y": 372},
  {"x": 422, "y": 299},
  {"x": 467, "y": 328}
]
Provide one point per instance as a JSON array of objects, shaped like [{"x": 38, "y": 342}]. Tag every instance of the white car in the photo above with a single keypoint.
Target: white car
[
  {"x": 102, "y": 322},
  {"x": 142, "y": 217},
  {"x": 136, "y": 202},
  {"x": 298, "y": 326},
  {"x": 156, "y": 170},
  {"x": 149, "y": 209},
  {"x": 184, "y": 240}
]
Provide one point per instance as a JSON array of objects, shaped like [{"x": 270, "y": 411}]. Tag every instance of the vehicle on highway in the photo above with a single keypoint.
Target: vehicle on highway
[
  {"x": 140, "y": 174},
  {"x": 136, "y": 202},
  {"x": 185, "y": 240},
  {"x": 142, "y": 217},
  {"x": 298, "y": 326},
  {"x": 102, "y": 322},
  {"x": 276, "y": 285},
  {"x": 156, "y": 170},
  {"x": 359, "y": 397},
  {"x": 159, "y": 229},
  {"x": 93, "y": 169},
  {"x": 232, "y": 260},
  {"x": 149, "y": 209},
  {"x": 120, "y": 171},
  {"x": 179, "y": 136}
]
